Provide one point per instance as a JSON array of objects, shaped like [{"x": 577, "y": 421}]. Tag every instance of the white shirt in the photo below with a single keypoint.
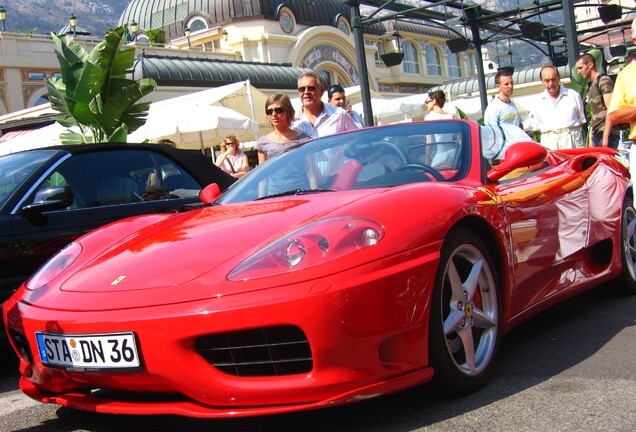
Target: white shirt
[
  {"x": 567, "y": 112},
  {"x": 331, "y": 120}
]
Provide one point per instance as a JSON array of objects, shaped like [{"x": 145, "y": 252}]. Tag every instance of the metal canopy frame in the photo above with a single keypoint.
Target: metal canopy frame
[{"x": 485, "y": 26}]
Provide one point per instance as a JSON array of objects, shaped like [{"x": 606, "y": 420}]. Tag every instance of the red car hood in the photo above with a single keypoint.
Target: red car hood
[{"x": 179, "y": 249}]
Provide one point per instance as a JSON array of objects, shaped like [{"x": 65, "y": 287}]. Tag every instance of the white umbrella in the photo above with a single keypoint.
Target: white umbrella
[
  {"x": 392, "y": 110},
  {"x": 469, "y": 106},
  {"x": 43, "y": 137},
  {"x": 353, "y": 94},
  {"x": 194, "y": 127}
]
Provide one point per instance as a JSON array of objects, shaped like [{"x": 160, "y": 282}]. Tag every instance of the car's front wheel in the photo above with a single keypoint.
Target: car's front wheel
[
  {"x": 465, "y": 321},
  {"x": 627, "y": 280}
]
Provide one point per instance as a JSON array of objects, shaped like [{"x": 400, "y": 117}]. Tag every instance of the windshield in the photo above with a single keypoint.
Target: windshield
[
  {"x": 16, "y": 168},
  {"x": 379, "y": 157},
  {"x": 495, "y": 140}
]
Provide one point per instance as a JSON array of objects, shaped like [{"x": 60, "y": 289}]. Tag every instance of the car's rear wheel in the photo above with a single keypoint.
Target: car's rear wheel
[
  {"x": 626, "y": 283},
  {"x": 465, "y": 321}
]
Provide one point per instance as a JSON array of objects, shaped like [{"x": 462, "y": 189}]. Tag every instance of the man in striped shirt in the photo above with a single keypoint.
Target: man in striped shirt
[{"x": 317, "y": 118}]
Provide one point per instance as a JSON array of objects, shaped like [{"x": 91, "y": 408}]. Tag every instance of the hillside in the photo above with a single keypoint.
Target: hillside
[
  {"x": 45, "y": 16},
  {"x": 48, "y": 16}
]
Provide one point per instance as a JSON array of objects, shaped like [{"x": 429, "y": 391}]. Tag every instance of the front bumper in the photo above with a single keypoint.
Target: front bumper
[{"x": 367, "y": 330}]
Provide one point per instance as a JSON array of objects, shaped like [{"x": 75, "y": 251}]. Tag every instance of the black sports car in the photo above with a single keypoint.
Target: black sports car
[{"x": 50, "y": 196}]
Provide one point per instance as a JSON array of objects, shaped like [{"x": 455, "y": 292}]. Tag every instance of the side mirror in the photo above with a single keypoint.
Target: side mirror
[
  {"x": 209, "y": 193},
  {"x": 50, "y": 198},
  {"x": 518, "y": 155}
]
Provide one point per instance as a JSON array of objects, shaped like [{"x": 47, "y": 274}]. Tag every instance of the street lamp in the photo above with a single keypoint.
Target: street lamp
[
  {"x": 72, "y": 20},
  {"x": 396, "y": 57},
  {"x": 186, "y": 32},
  {"x": 133, "y": 29},
  {"x": 225, "y": 35},
  {"x": 3, "y": 16}
]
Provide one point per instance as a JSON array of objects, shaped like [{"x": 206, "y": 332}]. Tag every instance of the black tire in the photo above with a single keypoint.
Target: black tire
[
  {"x": 466, "y": 302},
  {"x": 626, "y": 282}
]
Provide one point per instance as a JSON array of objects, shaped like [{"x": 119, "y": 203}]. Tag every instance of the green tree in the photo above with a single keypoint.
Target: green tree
[
  {"x": 94, "y": 92},
  {"x": 156, "y": 36}
]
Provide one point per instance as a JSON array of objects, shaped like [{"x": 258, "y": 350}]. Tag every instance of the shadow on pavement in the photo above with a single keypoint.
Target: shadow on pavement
[{"x": 545, "y": 346}]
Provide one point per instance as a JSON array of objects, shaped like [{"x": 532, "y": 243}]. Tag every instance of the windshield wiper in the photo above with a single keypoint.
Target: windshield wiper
[{"x": 296, "y": 192}]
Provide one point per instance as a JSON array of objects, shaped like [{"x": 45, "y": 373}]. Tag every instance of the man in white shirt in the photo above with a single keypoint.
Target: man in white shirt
[
  {"x": 502, "y": 109},
  {"x": 559, "y": 113},
  {"x": 317, "y": 118}
]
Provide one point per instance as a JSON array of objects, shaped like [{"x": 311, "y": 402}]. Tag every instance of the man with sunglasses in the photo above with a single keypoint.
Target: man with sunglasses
[
  {"x": 317, "y": 118},
  {"x": 336, "y": 97}
]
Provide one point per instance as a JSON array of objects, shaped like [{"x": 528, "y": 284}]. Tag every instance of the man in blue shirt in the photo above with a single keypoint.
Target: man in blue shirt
[
  {"x": 502, "y": 109},
  {"x": 336, "y": 97}
]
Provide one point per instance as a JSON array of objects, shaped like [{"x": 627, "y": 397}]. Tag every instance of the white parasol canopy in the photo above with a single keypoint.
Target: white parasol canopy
[
  {"x": 353, "y": 94},
  {"x": 193, "y": 126},
  {"x": 43, "y": 137},
  {"x": 395, "y": 110}
]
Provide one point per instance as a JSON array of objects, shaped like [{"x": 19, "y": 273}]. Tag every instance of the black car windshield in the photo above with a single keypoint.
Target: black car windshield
[
  {"x": 379, "y": 157},
  {"x": 16, "y": 168}
]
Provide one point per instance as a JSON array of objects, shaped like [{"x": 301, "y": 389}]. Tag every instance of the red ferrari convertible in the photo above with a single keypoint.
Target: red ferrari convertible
[{"x": 350, "y": 267}]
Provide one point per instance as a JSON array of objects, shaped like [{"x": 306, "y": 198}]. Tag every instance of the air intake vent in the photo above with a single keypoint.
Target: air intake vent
[
  {"x": 272, "y": 351},
  {"x": 22, "y": 345}
]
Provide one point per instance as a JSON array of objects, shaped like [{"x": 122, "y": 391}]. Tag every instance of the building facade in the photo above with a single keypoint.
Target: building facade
[
  {"x": 283, "y": 36},
  {"x": 208, "y": 43}
]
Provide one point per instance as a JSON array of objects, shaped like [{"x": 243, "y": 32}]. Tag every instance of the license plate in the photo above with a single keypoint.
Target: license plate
[{"x": 88, "y": 351}]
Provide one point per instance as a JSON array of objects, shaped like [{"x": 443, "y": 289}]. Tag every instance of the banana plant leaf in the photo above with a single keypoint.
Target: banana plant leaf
[{"x": 95, "y": 92}]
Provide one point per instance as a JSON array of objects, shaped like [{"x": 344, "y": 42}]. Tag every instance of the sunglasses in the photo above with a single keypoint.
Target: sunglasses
[
  {"x": 336, "y": 89},
  {"x": 308, "y": 88},
  {"x": 428, "y": 101},
  {"x": 270, "y": 111}
]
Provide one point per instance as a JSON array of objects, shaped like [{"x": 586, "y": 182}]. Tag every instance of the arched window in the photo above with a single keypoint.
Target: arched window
[
  {"x": 410, "y": 62},
  {"x": 454, "y": 67},
  {"x": 343, "y": 25},
  {"x": 326, "y": 76},
  {"x": 39, "y": 97},
  {"x": 198, "y": 24},
  {"x": 378, "y": 54},
  {"x": 433, "y": 62},
  {"x": 470, "y": 63}
]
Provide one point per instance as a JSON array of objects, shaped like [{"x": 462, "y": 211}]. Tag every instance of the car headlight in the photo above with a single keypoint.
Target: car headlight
[
  {"x": 314, "y": 244},
  {"x": 54, "y": 267}
]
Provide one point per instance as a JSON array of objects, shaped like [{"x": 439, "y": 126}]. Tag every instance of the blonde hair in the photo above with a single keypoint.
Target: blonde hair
[{"x": 231, "y": 137}]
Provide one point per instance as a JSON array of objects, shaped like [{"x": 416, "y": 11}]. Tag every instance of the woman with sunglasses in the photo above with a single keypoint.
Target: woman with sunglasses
[
  {"x": 438, "y": 155},
  {"x": 232, "y": 160},
  {"x": 280, "y": 113}
]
